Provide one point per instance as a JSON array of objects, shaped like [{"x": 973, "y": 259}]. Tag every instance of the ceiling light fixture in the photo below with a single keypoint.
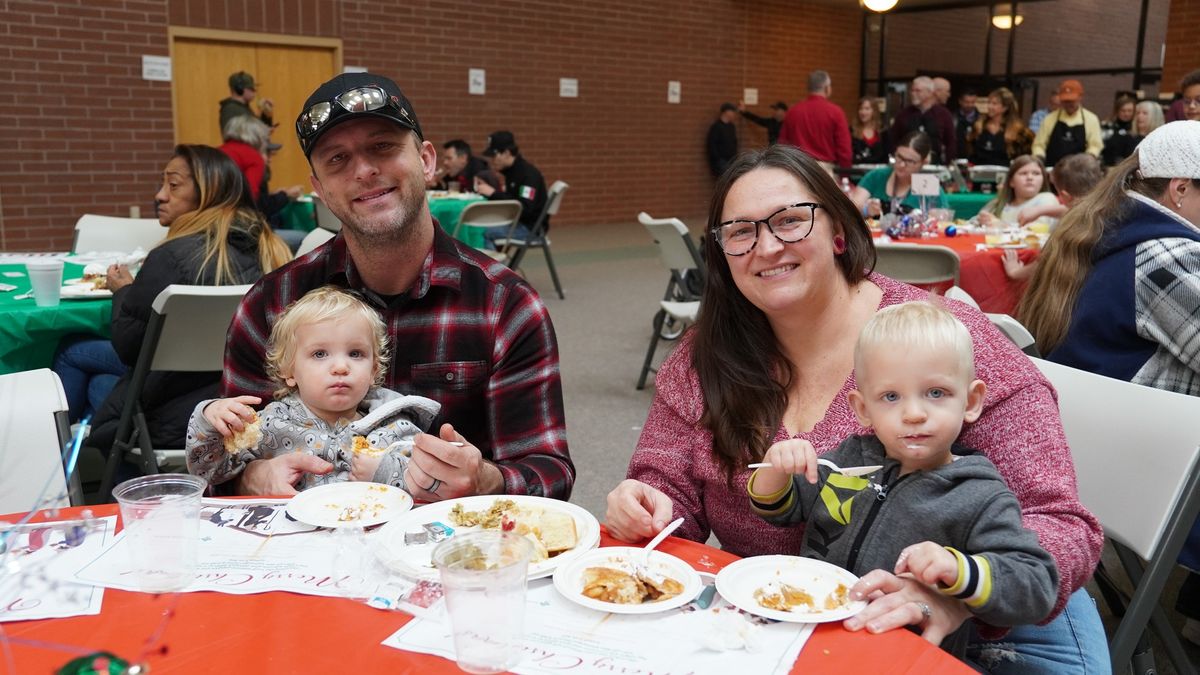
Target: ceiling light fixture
[
  {"x": 879, "y": 5},
  {"x": 1003, "y": 17}
]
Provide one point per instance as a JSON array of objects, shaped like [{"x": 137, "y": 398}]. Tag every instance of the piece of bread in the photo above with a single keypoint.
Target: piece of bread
[
  {"x": 362, "y": 446},
  {"x": 557, "y": 531},
  {"x": 246, "y": 439}
]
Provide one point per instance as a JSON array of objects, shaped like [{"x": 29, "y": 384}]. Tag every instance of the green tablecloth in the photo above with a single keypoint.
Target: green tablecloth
[
  {"x": 967, "y": 204},
  {"x": 448, "y": 211},
  {"x": 29, "y": 334},
  {"x": 299, "y": 215}
]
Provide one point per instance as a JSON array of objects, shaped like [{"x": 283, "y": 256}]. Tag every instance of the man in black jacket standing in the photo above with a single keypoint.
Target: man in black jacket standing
[
  {"x": 522, "y": 182},
  {"x": 722, "y": 139},
  {"x": 772, "y": 124}
]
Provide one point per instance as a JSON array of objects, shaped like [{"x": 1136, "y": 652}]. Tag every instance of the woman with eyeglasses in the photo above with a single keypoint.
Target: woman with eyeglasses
[
  {"x": 215, "y": 237},
  {"x": 888, "y": 189},
  {"x": 789, "y": 288}
]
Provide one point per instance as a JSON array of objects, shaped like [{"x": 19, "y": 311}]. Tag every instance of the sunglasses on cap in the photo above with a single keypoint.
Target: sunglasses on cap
[{"x": 357, "y": 100}]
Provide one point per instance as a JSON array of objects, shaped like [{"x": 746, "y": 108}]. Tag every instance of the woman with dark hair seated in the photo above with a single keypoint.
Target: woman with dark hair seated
[
  {"x": 771, "y": 357},
  {"x": 215, "y": 237}
]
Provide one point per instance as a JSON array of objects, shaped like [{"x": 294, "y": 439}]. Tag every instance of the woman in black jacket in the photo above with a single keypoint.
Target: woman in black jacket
[{"x": 215, "y": 237}]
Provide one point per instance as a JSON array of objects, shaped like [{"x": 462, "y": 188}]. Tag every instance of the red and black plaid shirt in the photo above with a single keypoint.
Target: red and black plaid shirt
[{"x": 471, "y": 335}]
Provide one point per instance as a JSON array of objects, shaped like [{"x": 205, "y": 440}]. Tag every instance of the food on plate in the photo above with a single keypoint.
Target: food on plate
[
  {"x": 1032, "y": 240},
  {"x": 369, "y": 507},
  {"x": 784, "y": 597},
  {"x": 551, "y": 532},
  {"x": 618, "y": 586},
  {"x": 246, "y": 439},
  {"x": 96, "y": 276},
  {"x": 361, "y": 446}
]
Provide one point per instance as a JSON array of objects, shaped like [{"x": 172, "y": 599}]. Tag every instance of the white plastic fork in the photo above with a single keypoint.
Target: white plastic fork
[
  {"x": 851, "y": 471},
  {"x": 642, "y": 564}
]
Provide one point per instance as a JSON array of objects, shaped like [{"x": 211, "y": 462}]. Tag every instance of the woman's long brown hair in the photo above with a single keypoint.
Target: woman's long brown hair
[
  {"x": 1066, "y": 260},
  {"x": 744, "y": 375},
  {"x": 225, "y": 203}
]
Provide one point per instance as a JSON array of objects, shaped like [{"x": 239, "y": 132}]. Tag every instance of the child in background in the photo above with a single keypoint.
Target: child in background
[
  {"x": 1074, "y": 176},
  {"x": 940, "y": 512},
  {"x": 1024, "y": 189},
  {"x": 328, "y": 352}
]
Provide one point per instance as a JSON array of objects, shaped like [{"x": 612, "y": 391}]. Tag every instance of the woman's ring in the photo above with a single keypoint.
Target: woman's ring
[
  {"x": 437, "y": 483},
  {"x": 925, "y": 610}
]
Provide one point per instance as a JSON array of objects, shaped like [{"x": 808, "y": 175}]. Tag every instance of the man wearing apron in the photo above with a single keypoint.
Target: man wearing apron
[{"x": 1070, "y": 130}]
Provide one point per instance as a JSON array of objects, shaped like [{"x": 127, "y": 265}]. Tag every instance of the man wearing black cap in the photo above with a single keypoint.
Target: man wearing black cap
[
  {"x": 241, "y": 92},
  {"x": 772, "y": 123},
  {"x": 722, "y": 142},
  {"x": 464, "y": 331},
  {"x": 522, "y": 182}
]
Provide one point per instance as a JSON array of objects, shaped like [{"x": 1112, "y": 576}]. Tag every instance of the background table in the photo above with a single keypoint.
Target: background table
[
  {"x": 29, "y": 334},
  {"x": 448, "y": 211},
  {"x": 981, "y": 272},
  {"x": 288, "y": 633},
  {"x": 967, "y": 204}
]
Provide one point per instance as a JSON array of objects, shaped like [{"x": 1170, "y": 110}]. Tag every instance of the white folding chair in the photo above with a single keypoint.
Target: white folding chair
[
  {"x": 33, "y": 431},
  {"x": 498, "y": 215},
  {"x": 957, "y": 293},
  {"x": 108, "y": 233},
  {"x": 1014, "y": 331},
  {"x": 186, "y": 333},
  {"x": 537, "y": 236},
  {"x": 325, "y": 218},
  {"x": 314, "y": 239},
  {"x": 917, "y": 264},
  {"x": 1137, "y": 458},
  {"x": 678, "y": 253}
]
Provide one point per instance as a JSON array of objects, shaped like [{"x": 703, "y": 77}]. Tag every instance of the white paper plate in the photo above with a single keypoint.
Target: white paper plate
[
  {"x": 416, "y": 560},
  {"x": 81, "y": 291},
  {"x": 568, "y": 578},
  {"x": 737, "y": 583},
  {"x": 323, "y": 505}
]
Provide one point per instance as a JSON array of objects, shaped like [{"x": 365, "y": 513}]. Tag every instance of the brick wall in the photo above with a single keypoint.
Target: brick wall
[
  {"x": 1181, "y": 56},
  {"x": 95, "y": 135}
]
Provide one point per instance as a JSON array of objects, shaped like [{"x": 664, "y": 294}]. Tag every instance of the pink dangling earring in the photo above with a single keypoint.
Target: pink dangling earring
[{"x": 839, "y": 244}]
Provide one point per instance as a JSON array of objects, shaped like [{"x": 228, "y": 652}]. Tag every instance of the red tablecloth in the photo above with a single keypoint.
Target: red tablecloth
[
  {"x": 288, "y": 633},
  {"x": 981, "y": 273}
]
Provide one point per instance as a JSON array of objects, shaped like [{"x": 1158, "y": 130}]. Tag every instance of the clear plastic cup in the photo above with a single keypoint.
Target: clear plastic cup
[
  {"x": 161, "y": 520},
  {"x": 46, "y": 277},
  {"x": 483, "y": 579}
]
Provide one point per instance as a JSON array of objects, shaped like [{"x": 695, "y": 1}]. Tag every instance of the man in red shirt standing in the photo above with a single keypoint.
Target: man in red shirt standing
[{"x": 818, "y": 126}]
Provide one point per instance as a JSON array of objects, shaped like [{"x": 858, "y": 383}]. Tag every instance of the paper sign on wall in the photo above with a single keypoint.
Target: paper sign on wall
[
  {"x": 568, "y": 87},
  {"x": 750, "y": 96},
  {"x": 156, "y": 68},
  {"x": 673, "y": 91},
  {"x": 477, "y": 81},
  {"x": 354, "y": 69}
]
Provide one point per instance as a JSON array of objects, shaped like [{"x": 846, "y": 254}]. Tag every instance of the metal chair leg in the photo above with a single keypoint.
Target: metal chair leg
[
  {"x": 659, "y": 318},
  {"x": 553, "y": 273}
]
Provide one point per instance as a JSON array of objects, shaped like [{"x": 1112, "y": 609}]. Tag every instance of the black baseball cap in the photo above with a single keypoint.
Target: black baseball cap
[
  {"x": 315, "y": 119},
  {"x": 241, "y": 80},
  {"x": 779, "y": 105},
  {"x": 499, "y": 141}
]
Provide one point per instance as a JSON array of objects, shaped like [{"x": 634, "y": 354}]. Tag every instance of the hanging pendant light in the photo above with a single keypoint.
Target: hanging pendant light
[
  {"x": 1004, "y": 19},
  {"x": 880, "y": 6}
]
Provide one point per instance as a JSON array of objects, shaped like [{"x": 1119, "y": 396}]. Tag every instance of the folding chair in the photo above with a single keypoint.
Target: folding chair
[
  {"x": 679, "y": 254},
  {"x": 108, "y": 233},
  {"x": 957, "y": 293},
  {"x": 1137, "y": 458},
  {"x": 501, "y": 214},
  {"x": 932, "y": 267},
  {"x": 186, "y": 332},
  {"x": 1014, "y": 331},
  {"x": 313, "y": 239},
  {"x": 34, "y": 428},
  {"x": 325, "y": 218},
  {"x": 537, "y": 236}
]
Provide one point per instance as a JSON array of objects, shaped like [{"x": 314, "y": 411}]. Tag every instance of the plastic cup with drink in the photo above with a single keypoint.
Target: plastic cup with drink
[
  {"x": 46, "y": 277},
  {"x": 160, "y": 515}
]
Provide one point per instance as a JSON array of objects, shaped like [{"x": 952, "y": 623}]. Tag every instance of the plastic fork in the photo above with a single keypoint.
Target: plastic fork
[
  {"x": 642, "y": 564},
  {"x": 848, "y": 471}
]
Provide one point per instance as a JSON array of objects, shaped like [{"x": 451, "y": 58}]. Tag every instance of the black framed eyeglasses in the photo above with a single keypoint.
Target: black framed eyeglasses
[
  {"x": 357, "y": 100},
  {"x": 789, "y": 225}
]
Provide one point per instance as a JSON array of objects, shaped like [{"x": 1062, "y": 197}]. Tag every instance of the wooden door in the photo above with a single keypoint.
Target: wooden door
[{"x": 286, "y": 73}]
